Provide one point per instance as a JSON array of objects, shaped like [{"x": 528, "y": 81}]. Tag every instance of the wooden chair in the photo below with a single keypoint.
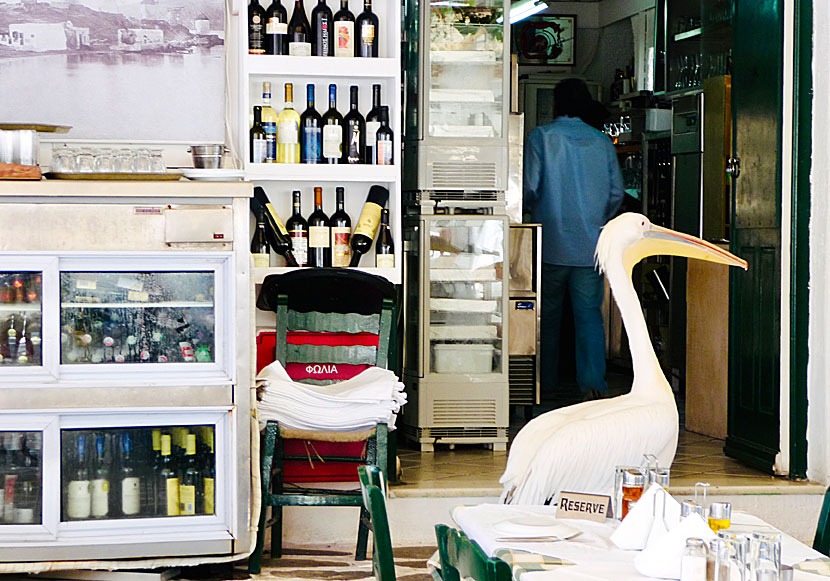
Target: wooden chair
[
  {"x": 373, "y": 487},
  {"x": 821, "y": 542},
  {"x": 462, "y": 558},
  {"x": 338, "y": 321}
]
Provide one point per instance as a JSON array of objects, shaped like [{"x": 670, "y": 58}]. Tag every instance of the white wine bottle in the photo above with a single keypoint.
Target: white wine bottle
[{"x": 288, "y": 130}]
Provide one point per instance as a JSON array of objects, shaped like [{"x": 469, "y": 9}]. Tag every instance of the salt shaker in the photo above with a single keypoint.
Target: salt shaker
[
  {"x": 693, "y": 562},
  {"x": 717, "y": 561}
]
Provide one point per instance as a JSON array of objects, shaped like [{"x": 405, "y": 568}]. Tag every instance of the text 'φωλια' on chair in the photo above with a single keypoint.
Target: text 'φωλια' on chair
[
  {"x": 332, "y": 324},
  {"x": 462, "y": 558}
]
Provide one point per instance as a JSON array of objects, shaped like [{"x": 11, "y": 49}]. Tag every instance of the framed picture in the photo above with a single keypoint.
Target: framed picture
[{"x": 545, "y": 40}]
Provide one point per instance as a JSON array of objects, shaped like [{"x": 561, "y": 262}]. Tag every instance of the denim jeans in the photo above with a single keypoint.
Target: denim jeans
[{"x": 586, "y": 289}]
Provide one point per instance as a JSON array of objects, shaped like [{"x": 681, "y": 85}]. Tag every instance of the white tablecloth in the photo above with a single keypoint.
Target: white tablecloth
[{"x": 595, "y": 555}]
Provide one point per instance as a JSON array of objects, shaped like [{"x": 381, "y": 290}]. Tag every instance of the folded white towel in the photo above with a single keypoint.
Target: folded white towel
[{"x": 359, "y": 403}]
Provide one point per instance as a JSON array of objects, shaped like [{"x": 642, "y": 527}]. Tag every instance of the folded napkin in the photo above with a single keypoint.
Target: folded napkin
[
  {"x": 522, "y": 562},
  {"x": 816, "y": 566},
  {"x": 648, "y": 520},
  {"x": 662, "y": 558}
]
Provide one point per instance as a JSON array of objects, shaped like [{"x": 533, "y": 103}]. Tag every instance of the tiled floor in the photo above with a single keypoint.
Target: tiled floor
[{"x": 474, "y": 471}]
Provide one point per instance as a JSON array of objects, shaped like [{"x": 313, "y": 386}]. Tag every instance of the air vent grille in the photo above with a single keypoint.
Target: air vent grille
[
  {"x": 464, "y": 175},
  {"x": 522, "y": 379},
  {"x": 467, "y": 432},
  {"x": 481, "y": 412}
]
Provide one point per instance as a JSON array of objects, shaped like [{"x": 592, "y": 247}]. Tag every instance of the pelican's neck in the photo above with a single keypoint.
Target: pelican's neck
[{"x": 648, "y": 375}]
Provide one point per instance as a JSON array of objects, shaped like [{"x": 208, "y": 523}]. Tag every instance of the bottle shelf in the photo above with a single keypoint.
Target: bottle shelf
[
  {"x": 20, "y": 308},
  {"x": 328, "y": 67},
  {"x": 319, "y": 173},
  {"x": 148, "y": 305},
  {"x": 259, "y": 274}
]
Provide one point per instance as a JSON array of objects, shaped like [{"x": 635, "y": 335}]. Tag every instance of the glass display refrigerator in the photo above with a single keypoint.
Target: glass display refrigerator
[
  {"x": 457, "y": 74},
  {"x": 125, "y": 373},
  {"x": 455, "y": 361}
]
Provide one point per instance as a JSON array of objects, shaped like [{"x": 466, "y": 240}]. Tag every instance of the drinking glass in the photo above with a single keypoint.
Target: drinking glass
[
  {"x": 157, "y": 162},
  {"x": 123, "y": 161},
  {"x": 142, "y": 161},
  {"x": 737, "y": 554},
  {"x": 85, "y": 161},
  {"x": 765, "y": 549},
  {"x": 103, "y": 161},
  {"x": 63, "y": 160}
]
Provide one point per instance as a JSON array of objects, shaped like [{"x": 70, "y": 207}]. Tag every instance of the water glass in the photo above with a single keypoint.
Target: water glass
[
  {"x": 737, "y": 554},
  {"x": 142, "y": 161},
  {"x": 157, "y": 162},
  {"x": 85, "y": 161},
  {"x": 765, "y": 549},
  {"x": 123, "y": 161},
  {"x": 63, "y": 160},
  {"x": 103, "y": 161}
]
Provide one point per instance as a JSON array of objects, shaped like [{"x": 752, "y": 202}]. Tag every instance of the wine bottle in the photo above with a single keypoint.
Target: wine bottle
[
  {"x": 354, "y": 132},
  {"x": 311, "y": 130},
  {"x": 209, "y": 472},
  {"x": 100, "y": 482},
  {"x": 259, "y": 138},
  {"x": 152, "y": 480},
  {"x": 384, "y": 140},
  {"x": 276, "y": 231},
  {"x": 372, "y": 125},
  {"x": 385, "y": 247},
  {"x": 79, "y": 494},
  {"x": 189, "y": 494},
  {"x": 299, "y": 32},
  {"x": 168, "y": 489},
  {"x": 332, "y": 130},
  {"x": 288, "y": 130},
  {"x": 256, "y": 28},
  {"x": 366, "y": 29},
  {"x": 130, "y": 482},
  {"x": 341, "y": 231},
  {"x": 298, "y": 230},
  {"x": 276, "y": 29},
  {"x": 367, "y": 224},
  {"x": 319, "y": 234},
  {"x": 321, "y": 30},
  {"x": 22, "y": 345},
  {"x": 269, "y": 124},
  {"x": 344, "y": 31},
  {"x": 260, "y": 249}
]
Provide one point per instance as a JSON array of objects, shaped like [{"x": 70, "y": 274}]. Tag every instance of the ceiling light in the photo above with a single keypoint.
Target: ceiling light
[{"x": 524, "y": 8}]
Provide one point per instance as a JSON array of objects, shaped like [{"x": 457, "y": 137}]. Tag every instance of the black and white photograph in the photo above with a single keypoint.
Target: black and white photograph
[{"x": 143, "y": 70}]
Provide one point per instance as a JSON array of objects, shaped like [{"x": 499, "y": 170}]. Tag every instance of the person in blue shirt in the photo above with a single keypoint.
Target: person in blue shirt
[{"x": 572, "y": 186}]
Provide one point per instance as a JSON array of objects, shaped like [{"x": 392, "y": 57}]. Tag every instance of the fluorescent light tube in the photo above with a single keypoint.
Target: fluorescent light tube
[{"x": 524, "y": 8}]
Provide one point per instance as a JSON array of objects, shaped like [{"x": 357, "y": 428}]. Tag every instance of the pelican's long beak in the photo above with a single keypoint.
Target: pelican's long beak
[{"x": 658, "y": 240}]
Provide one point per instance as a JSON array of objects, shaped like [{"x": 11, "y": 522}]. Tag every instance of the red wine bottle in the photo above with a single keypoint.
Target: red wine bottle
[
  {"x": 366, "y": 32},
  {"x": 275, "y": 230},
  {"x": 385, "y": 247},
  {"x": 298, "y": 230},
  {"x": 367, "y": 224},
  {"x": 332, "y": 130},
  {"x": 384, "y": 140},
  {"x": 311, "y": 132},
  {"x": 344, "y": 31},
  {"x": 299, "y": 31},
  {"x": 322, "y": 30},
  {"x": 341, "y": 232},
  {"x": 256, "y": 28},
  {"x": 276, "y": 29},
  {"x": 372, "y": 124},
  {"x": 319, "y": 234},
  {"x": 354, "y": 132}
]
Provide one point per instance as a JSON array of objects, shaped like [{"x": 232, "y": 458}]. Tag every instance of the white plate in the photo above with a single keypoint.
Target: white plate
[
  {"x": 534, "y": 526},
  {"x": 213, "y": 175}
]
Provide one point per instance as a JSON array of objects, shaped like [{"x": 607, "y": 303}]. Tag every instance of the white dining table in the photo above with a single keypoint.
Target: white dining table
[{"x": 596, "y": 558}]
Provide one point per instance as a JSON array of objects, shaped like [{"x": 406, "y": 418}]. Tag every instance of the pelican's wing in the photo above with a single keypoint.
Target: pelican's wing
[{"x": 581, "y": 455}]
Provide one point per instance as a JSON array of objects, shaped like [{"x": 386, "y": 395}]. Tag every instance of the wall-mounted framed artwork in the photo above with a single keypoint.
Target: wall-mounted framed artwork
[{"x": 545, "y": 40}]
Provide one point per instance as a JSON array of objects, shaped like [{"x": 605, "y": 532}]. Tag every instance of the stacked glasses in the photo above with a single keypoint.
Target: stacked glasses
[{"x": 88, "y": 160}]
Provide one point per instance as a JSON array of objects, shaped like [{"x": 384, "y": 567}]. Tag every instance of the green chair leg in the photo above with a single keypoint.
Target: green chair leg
[{"x": 362, "y": 535}]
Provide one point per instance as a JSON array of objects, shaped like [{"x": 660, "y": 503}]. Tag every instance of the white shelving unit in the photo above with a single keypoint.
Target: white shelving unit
[{"x": 279, "y": 180}]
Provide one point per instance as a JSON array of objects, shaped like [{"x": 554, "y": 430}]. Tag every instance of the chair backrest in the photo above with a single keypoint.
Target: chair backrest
[
  {"x": 462, "y": 558},
  {"x": 332, "y": 323},
  {"x": 372, "y": 486},
  {"x": 821, "y": 542}
]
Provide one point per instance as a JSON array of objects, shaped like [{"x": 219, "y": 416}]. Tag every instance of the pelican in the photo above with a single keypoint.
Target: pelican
[{"x": 576, "y": 448}]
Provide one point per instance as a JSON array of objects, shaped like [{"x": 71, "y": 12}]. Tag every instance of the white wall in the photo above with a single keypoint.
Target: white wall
[{"x": 818, "y": 371}]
